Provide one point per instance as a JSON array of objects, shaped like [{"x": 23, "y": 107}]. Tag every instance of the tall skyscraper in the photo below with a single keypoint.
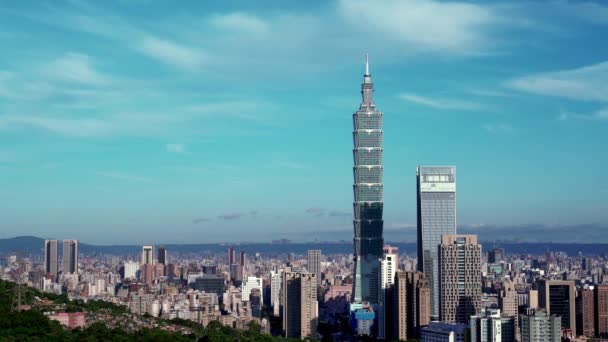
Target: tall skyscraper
[
  {"x": 601, "y": 310},
  {"x": 70, "y": 256},
  {"x": 51, "y": 261},
  {"x": 147, "y": 255},
  {"x": 162, "y": 255},
  {"x": 242, "y": 258},
  {"x": 410, "y": 306},
  {"x": 367, "y": 189},
  {"x": 585, "y": 311},
  {"x": 231, "y": 256},
  {"x": 459, "y": 278},
  {"x": 299, "y": 305},
  {"x": 314, "y": 263},
  {"x": 388, "y": 269},
  {"x": 558, "y": 298},
  {"x": 436, "y": 195}
]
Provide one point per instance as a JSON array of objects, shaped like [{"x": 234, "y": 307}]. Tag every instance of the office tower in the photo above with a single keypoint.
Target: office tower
[
  {"x": 208, "y": 283},
  {"x": 242, "y": 258},
  {"x": 601, "y": 310},
  {"x": 368, "y": 203},
  {"x": 436, "y": 196},
  {"x": 255, "y": 302},
  {"x": 51, "y": 261},
  {"x": 131, "y": 269},
  {"x": 411, "y": 298},
  {"x": 162, "y": 255},
  {"x": 275, "y": 291},
  {"x": 70, "y": 256},
  {"x": 314, "y": 263},
  {"x": 231, "y": 256},
  {"x": 540, "y": 327},
  {"x": 388, "y": 269},
  {"x": 496, "y": 255},
  {"x": 299, "y": 305},
  {"x": 492, "y": 327},
  {"x": 147, "y": 273},
  {"x": 507, "y": 299},
  {"x": 459, "y": 277},
  {"x": 585, "y": 312},
  {"x": 444, "y": 332},
  {"x": 147, "y": 255},
  {"x": 236, "y": 273},
  {"x": 249, "y": 284},
  {"x": 533, "y": 299},
  {"x": 558, "y": 298}
]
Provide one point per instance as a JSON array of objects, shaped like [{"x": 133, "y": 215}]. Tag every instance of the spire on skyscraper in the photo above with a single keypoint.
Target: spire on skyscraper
[{"x": 366, "y": 64}]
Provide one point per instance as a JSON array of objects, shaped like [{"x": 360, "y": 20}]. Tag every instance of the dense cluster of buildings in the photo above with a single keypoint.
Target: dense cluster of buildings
[{"x": 450, "y": 291}]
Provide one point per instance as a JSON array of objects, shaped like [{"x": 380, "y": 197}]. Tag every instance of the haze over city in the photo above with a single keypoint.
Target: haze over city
[{"x": 193, "y": 122}]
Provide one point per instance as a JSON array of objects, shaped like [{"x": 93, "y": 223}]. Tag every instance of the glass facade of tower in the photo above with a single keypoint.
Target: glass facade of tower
[
  {"x": 367, "y": 153},
  {"x": 436, "y": 217}
]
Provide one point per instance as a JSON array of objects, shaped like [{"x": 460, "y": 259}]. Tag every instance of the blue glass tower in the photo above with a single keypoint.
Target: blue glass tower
[{"x": 368, "y": 223}]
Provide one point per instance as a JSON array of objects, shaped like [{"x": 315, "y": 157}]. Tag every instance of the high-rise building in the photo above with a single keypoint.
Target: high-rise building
[
  {"x": 558, "y": 298},
  {"x": 70, "y": 256},
  {"x": 539, "y": 326},
  {"x": 585, "y": 312},
  {"x": 411, "y": 306},
  {"x": 601, "y": 311},
  {"x": 51, "y": 261},
  {"x": 162, "y": 255},
  {"x": 231, "y": 256},
  {"x": 242, "y": 258},
  {"x": 436, "y": 196},
  {"x": 131, "y": 269},
  {"x": 459, "y": 277},
  {"x": 314, "y": 263},
  {"x": 507, "y": 299},
  {"x": 147, "y": 255},
  {"x": 533, "y": 299},
  {"x": 492, "y": 327},
  {"x": 146, "y": 273},
  {"x": 368, "y": 204},
  {"x": 249, "y": 284},
  {"x": 388, "y": 269},
  {"x": 496, "y": 255},
  {"x": 275, "y": 291},
  {"x": 299, "y": 306}
]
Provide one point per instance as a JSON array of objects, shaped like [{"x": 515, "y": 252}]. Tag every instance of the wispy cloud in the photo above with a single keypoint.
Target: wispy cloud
[
  {"x": 455, "y": 27},
  {"x": 172, "y": 53},
  {"x": 231, "y": 216},
  {"x": 599, "y": 115},
  {"x": 76, "y": 68},
  {"x": 176, "y": 148},
  {"x": 588, "y": 83},
  {"x": 242, "y": 22},
  {"x": 316, "y": 211},
  {"x": 439, "y": 103},
  {"x": 66, "y": 126},
  {"x": 124, "y": 176},
  {"x": 338, "y": 213}
]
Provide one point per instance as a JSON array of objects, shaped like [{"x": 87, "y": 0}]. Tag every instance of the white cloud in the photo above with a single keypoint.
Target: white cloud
[
  {"x": 171, "y": 53},
  {"x": 437, "y": 103},
  {"x": 75, "y": 68},
  {"x": 602, "y": 114},
  {"x": 176, "y": 148},
  {"x": 588, "y": 83},
  {"x": 455, "y": 27},
  {"x": 240, "y": 21},
  {"x": 65, "y": 126}
]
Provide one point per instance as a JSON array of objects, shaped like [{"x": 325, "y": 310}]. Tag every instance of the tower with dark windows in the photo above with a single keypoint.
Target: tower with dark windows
[{"x": 368, "y": 223}]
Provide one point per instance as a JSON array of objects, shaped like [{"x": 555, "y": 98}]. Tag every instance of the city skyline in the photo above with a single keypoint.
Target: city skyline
[{"x": 170, "y": 128}]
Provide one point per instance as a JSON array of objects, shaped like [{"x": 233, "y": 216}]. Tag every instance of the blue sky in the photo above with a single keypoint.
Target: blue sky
[{"x": 142, "y": 121}]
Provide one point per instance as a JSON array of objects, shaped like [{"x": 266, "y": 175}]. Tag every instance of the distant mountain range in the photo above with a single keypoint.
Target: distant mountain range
[{"x": 34, "y": 246}]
